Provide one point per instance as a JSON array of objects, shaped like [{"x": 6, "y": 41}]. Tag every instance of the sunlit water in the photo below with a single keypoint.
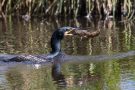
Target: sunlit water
[{"x": 33, "y": 38}]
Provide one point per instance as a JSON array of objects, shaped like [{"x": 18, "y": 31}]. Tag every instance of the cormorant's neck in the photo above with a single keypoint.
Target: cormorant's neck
[
  {"x": 56, "y": 38},
  {"x": 55, "y": 45}
]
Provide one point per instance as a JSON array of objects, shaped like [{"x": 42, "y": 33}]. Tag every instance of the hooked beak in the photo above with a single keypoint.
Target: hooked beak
[{"x": 69, "y": 32}]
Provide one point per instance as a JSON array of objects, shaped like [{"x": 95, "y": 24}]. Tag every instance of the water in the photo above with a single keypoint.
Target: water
[{"x": 34, "y": 37}]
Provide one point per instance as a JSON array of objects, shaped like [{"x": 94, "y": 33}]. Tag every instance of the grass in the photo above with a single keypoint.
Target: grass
[{"x": 69, "y": 8}]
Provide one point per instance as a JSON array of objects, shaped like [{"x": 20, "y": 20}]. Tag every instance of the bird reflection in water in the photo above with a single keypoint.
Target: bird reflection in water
[{"x": 57, "y": 75}]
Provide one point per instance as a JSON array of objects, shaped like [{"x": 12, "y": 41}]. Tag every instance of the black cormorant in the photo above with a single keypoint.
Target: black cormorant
[{"x": 56, "y": 38}]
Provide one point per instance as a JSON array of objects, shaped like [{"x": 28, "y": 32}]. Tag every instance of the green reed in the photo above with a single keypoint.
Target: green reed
[{"x": 65, "y": 8}]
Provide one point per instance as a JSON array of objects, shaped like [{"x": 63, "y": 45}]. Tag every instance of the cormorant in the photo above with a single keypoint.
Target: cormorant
[{"x": 56, "y": 38}]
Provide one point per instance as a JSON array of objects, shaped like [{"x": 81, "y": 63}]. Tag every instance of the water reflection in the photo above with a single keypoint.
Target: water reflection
[
  {"x": 15, "y": 80},
  {"x": 57, "y": 75},
  {"x": 33, "y": 37},
  {"x": 112, "y": 75}
]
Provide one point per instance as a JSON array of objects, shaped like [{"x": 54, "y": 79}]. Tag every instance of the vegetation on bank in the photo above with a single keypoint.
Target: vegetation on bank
[{"x": 70, "y": 8}]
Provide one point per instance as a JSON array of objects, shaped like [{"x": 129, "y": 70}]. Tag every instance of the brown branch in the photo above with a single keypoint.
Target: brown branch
[{"x": 85, "y": 33}]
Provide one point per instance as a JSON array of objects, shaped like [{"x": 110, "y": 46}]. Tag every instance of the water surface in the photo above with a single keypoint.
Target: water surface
[{"x": 33, "y": 37}]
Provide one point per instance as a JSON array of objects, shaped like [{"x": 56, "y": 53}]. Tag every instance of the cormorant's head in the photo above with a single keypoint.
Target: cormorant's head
[
  {"x": 61, "y": 32},
  {"x": 57, "y": 36}
]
